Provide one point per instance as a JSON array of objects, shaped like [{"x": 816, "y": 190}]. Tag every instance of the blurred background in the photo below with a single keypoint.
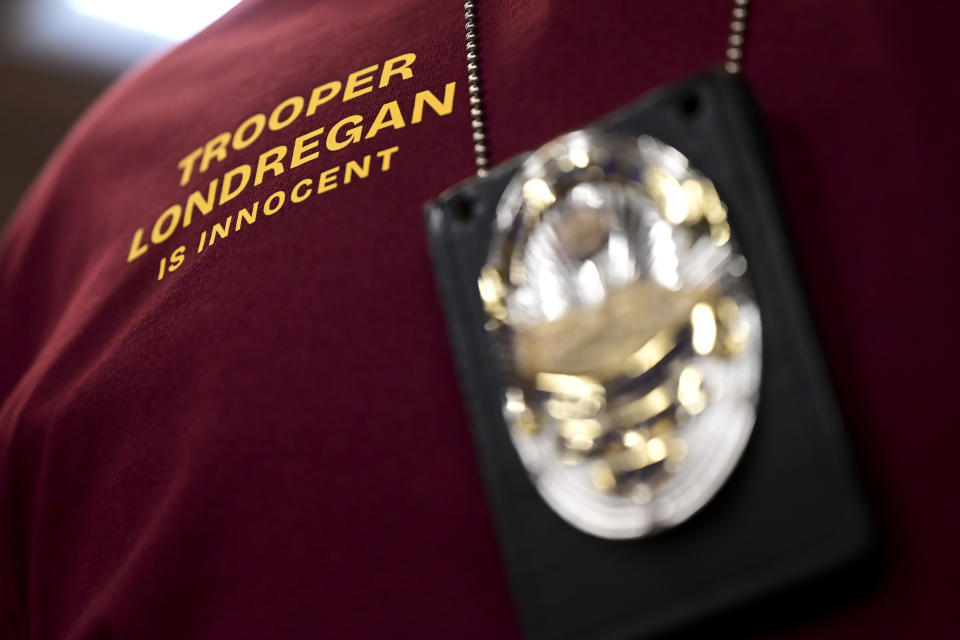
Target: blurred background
[{"x": 57, "y": 56}]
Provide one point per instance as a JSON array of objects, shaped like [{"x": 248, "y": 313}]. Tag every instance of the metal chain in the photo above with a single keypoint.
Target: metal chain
[
  {"x": 733, "y": 64},
  {"x": 738, "y": 29},
  {"x": 473, "y": 87}
]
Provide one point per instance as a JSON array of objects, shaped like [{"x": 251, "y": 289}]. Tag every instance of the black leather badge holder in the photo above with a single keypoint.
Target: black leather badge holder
[{"x": 791, "y": 511}]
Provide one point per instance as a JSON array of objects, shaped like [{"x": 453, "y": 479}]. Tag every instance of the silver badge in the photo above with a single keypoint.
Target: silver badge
[{"x": 627, "y": 332}]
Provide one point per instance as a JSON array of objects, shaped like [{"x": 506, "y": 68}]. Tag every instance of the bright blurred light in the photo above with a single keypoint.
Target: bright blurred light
[{"x": 167, "y": 19}]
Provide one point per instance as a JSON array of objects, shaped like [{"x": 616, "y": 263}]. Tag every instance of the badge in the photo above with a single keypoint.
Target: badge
[
  {"x": 626, "y": 331},
  {"x": 636, "y": 358}
]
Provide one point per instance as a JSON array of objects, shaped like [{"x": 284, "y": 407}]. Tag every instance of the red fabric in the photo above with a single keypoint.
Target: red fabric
[{"x": 270, "y": 441}]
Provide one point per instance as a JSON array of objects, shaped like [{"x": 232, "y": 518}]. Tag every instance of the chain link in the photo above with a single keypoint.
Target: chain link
[{"x": 733, "y": 64}]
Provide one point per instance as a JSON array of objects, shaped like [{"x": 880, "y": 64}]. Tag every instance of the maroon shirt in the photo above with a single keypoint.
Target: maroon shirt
[{"x": 228, "y": 413}]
